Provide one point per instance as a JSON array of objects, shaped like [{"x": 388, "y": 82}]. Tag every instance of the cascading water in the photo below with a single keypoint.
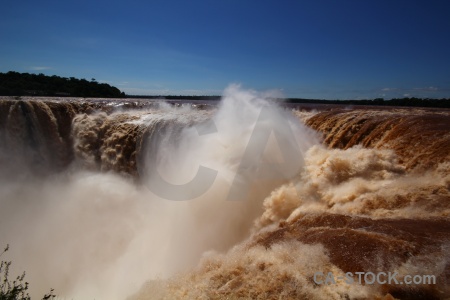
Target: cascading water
[{"x": 110, "y": 199}]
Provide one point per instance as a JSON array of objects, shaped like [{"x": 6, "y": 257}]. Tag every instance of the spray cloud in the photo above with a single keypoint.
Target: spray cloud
[{"x": 88, "y": 233}]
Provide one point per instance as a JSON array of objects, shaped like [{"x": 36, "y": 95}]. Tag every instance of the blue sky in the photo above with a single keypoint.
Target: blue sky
[{"x": 348, "y": 49}]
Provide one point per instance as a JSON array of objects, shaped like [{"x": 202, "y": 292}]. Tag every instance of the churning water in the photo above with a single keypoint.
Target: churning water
[{"x": 117, "y": 199}]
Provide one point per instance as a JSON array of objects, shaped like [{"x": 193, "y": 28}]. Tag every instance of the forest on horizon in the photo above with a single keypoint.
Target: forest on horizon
[{"x": 25, "y": 84}]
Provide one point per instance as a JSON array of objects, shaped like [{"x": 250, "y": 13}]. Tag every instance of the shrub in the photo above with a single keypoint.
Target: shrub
[{"x": 17, "y": 289}]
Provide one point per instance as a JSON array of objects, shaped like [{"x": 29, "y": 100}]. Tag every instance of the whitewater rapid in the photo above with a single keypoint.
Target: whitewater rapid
[{"x": 109, "y": 199}]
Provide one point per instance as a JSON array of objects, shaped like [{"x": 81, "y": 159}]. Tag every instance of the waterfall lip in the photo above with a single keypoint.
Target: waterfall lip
[{"x": 378, "y": 180}]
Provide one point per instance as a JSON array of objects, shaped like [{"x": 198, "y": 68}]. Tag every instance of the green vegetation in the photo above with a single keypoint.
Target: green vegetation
[
  {"x": 17, "y": 289},
  {"x": 407, "y": 101},
  {"x": 25, "y": 84},
  {"x": 416, "y": 102}
]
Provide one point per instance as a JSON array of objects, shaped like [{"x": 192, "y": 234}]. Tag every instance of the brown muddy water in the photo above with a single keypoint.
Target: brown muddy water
[{"x": 237, "y": 199}]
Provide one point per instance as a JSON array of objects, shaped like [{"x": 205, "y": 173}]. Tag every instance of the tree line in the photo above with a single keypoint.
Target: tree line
[
  {"x": 407, "y": 101},
  {"x": 25, "y": 84}
]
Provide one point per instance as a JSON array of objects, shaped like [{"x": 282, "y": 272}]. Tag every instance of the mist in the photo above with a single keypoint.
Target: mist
[
  {"x": 89, "y": 232},
  {"x": 138, "y": 199}
]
